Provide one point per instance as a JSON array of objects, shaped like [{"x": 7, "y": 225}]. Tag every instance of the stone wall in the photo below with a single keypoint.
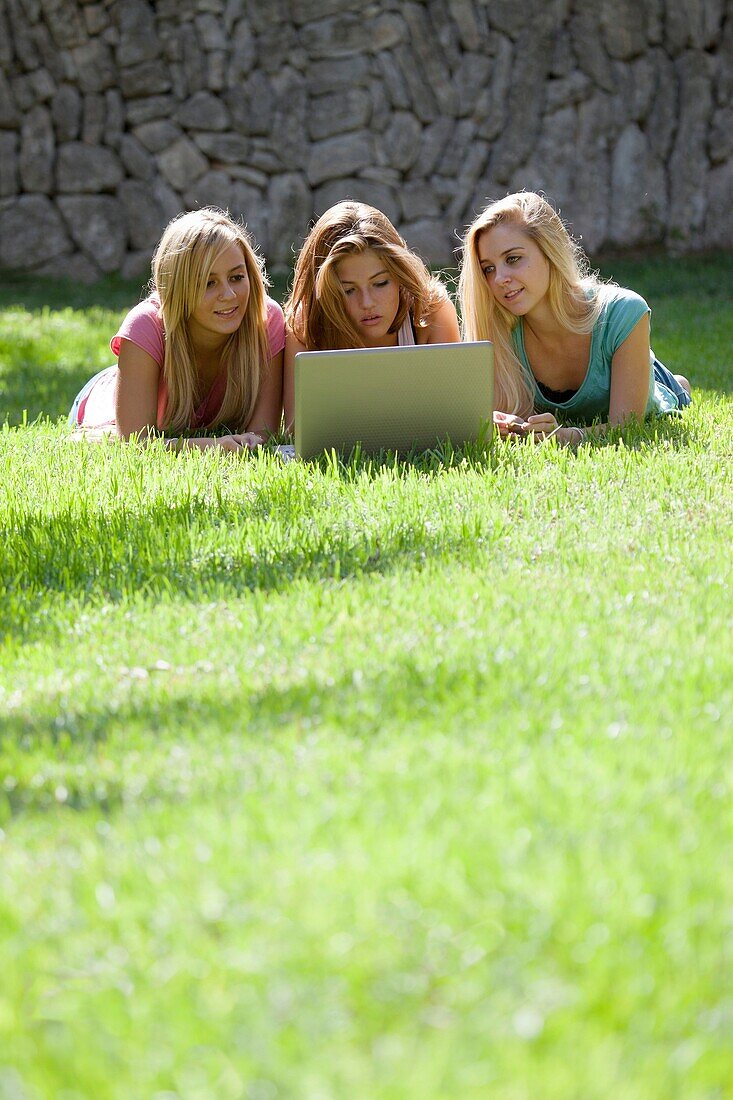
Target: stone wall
[{"x": 116, "y": 114}]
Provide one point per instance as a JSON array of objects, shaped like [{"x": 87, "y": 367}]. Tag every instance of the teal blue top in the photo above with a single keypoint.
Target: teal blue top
[{"x": 622, "y": 310}]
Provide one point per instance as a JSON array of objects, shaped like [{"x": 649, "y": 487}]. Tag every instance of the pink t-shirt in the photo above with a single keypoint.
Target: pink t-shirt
[{"x": 143, "y": 326}]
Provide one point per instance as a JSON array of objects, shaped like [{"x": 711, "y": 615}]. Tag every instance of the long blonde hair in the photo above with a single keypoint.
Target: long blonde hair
[
  {"x": 181, "y": 265},
  {"x": 316, "y": 308},
  {"x": 575, "y": 294}
]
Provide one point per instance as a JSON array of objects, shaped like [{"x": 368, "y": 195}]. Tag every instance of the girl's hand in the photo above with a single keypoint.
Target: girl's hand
[
  {"x": 246, "y": 441},
  {"x": 508, "y": 424},
  {"x": 542, "y": 424}
]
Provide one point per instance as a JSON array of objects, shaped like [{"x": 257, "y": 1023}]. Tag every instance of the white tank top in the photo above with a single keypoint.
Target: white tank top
[{"x": 406, "y": 333}]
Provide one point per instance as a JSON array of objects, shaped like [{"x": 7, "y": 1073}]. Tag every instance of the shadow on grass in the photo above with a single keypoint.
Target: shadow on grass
[{"x": 199, "y": 551}]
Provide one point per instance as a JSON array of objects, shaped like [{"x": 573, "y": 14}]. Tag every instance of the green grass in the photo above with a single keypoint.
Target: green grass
[{"x": 375, "y": 780}]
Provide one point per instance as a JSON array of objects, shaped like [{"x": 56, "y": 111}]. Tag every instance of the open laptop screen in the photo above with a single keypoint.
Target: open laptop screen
[{"x": 395, "y": 399}]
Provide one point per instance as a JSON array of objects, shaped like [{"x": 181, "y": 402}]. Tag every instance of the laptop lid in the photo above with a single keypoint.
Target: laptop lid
[{"x": 393, "y": 399}]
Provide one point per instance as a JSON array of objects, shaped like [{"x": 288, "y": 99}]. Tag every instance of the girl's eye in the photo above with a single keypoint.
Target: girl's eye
[
  {"x": 487, "y": 271},
  {"x": 384, "y": 282},
  {"x": 238, "y": 278},
  {"x": 512, "y": 259},
  {"x": 348, "y": 291}
]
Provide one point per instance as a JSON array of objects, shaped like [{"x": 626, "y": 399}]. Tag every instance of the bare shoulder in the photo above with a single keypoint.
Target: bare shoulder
[{"x": 442, "y": 326}]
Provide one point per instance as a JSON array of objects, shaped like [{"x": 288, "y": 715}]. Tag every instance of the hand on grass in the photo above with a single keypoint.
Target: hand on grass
[{"x": 243, "y": 442}]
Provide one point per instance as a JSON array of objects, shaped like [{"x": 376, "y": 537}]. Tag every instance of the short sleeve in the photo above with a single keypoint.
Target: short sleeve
[
  {"x": 275, "y": 328},
  {"x": 143, "y": 326},
  {"x": 621, "y": 314}
]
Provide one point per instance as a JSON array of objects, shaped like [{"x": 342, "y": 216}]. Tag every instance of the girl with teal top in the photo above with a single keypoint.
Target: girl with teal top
[{"x": 565, "y": 343}]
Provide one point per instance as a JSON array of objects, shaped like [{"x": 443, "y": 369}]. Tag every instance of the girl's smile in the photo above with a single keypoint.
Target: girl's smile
[
  {"x": 224, "y": 304},
  {"x": 515, "y": 268}
]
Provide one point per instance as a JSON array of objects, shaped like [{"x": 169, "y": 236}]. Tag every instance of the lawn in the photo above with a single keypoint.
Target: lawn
[{"x": 377, "y": 780}]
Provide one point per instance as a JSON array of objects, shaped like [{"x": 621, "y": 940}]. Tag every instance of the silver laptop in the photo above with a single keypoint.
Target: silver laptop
[{"x": 395, "y": 399}]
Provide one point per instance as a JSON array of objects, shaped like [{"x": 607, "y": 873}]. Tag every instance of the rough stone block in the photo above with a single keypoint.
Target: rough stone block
[
  {"x": 158, "y": 135},
  {"x": 339, "y": 112},
  {"x": 393, "y": 81},
  {"x": 251, "y": 106},
  {"x": 688, "y": 163},
  {"x": 339, "y": 157},
  {"x": 138, "y": 33},
  {"x": 719, "y": 209},
  {"x": 52, "y": 59},
  {"x": 385, "y": 31},
  {"x": 638, "y": 192},
  {"x": 290, "y": 207},
  {"x": 590, "y": 54},
  {"x": 289, "y": 118},
  {"x": 181, "y": 164},
  {"x": 492, "y": 105},
  {"x": 8, "y": 163},
  {"x": 65, "y": 22},
  {"x": 93, "y": 67},
  {"x": 37, "y": 148},
  {"x": 401, "y": 143},
  {"x": 114, "y": 117},
  {"x": 248, "y": 205},
  {"x": 66, "y": 113},
  {"x": 214, "y": 188},
  {"x": 308, "y": 11},
  {"x": 433, "y": 143},
  {"x": 136, "y": 160},
  {"x": 338, "y": 36},
  {"x": 149, "y": 108},
  {"x": 432, "y": 238},
  {"x": 417, "y": 201},
  {"x": 87, "y": 169},
  {"x": 623, "y": 24},
  {"x": 8, "y": 111},
  {"x": 6, "y": 42},
  {"x": 32, "y": 88},
  {"x": 472, "y": 78},
  {"x": 465, "y": 15},
  {"x": 428, "y": 57},
  {"x": 228, "y": 148},
  {"x": 243, "y": 53},
  {"x": 193, "y": 60},
  {"x": 662, "y": 116},
  {"x": 169, "y": 202},
  {"x": 92, "y": 119},
  {"x": 147, "y": 78},
  {"x": 720, "y": 140},
  {"x": 21, "y": 35},
  {"x": 136, "y": 265},
  {"x": 372, "y": 192},
  {"x": 144, "y": 218},
  {"x": 210, "y": 31},
  {"x": 31, "y": 232},
  {"x": 203, "y": 111},
  {"x": 336, "y": 74},
  {"x": 97, "y": 225},
  {"x": 96, "y": 18}
]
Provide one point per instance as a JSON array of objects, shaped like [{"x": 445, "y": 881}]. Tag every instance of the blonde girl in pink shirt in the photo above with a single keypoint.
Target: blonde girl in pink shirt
[{"x": 203, "y": 353}]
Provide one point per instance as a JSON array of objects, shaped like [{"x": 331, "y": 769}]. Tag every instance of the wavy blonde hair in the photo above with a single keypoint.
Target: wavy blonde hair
[
  {"x": 316, "y": 309},
  {"x": 575, "y": 294},
  {"x": 181, "y": 265}
]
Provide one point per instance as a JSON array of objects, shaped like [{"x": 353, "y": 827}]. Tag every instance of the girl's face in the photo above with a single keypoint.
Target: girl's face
[
  {"x": 372, "y": 296},
  {"x": 224, "y": 304},
  {"x": 515, "y": 268}
]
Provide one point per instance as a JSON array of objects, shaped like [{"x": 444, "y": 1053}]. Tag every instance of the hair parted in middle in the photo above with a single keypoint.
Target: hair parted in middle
[
  {"x": 316, "y": 308},
  {"x": 181, "y": 265},
  {"x": 575, "y": 294}
]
